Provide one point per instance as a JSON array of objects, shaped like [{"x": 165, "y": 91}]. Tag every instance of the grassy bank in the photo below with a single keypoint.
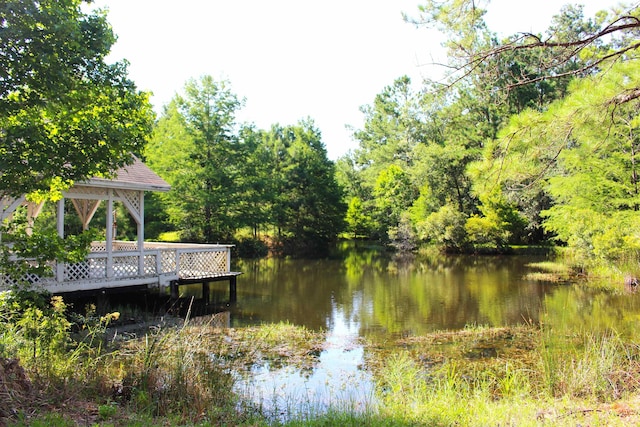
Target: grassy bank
[{"x": 56, "y": 373}]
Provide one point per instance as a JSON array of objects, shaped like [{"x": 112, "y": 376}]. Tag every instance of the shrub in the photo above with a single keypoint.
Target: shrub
[{"x": 445, "y": 228}]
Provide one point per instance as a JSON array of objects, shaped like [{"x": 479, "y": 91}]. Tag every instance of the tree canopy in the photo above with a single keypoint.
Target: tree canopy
[
  {"x": 231, "y": 178},
  {"x": 571, "y": 47},
  {"x": 525, "y": 139},
  {"x": 65, "y": 114}
]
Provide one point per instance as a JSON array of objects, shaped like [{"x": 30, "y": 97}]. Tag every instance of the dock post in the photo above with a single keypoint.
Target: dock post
[
  {"x": 205, "y": 292},
  {"x": 233, "y": 295},
  {"x": 174, "y": 288}
]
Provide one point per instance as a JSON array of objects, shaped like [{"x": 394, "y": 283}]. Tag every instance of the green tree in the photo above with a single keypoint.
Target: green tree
[
  {"x": 358, "y": 222},
  {"x": 598, "y": 177},
  {"x": 445, "y": 228},
  {"x": 391, "y": 131},
  {"x": 394, "y": 194},
  {"x": 394, "y": 127},
  {"x": 208, "y": 108},
  {"x": 582, "y": 152},
  {"x": 255, "y": 191},
  {"x": 196, "y": 148},
  {"x": 65, "y": 115},
  {"x": 499, "y": 225},
  {"x": 571, "y": 47},
  {"x": 308, "y": 203},
  {"x": 489, "y": 82},
  {"x": 228, "y": 178},
  {"x": 169, "y": 154}
]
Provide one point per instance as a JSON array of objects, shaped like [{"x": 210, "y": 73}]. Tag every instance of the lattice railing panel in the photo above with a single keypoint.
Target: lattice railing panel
[
  {"x": 116, "y": 246},
  {"x": 95, "y": 268},
  {"x": 7, "y": 281},
  {"x": 125, "y": 266},
  {"x": 77, "y": 271},
  {"x": 125, "y": 246},
  {"x": 182, "y": 260},
  {"x": 98, "y": 246},
  {"x": 202, "y": 264},
  {"x": 168, "y": 260},
  {"x": 150, "y": 265}
]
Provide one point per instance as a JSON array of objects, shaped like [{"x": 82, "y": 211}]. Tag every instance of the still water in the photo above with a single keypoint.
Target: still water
[
  {"x": 367, "y": 295},
  {"x": 379, "y": 295}
]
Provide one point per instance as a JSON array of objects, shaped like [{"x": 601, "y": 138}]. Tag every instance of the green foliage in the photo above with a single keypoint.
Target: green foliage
[
  {"x": 194, "y": 148},
  {"x": 308, "y": 208},
  {"x": 392, "y": 128},
  {"x": 37, "y": 331},
  {"x": 403, "y": 237},
  {"x": 72, "y": 115},
  {"x": 359, "y": 222},
  {"x": 250, "y": 247},
  {"x": 581, "y": 153},
  {"x": 460, "y": 20},
  {"x": 445, "y": 228},
  {"x": 442, "y": 171},
  {"x": 227, "y": 178},
  {"x": 169, "y": 236},
  {"x": 483, "y": 231},
  {"x": 394, "y": 194},
  {"x": 107, "y": 411},
  {"x": 27, "y": 251},
  {"x": 65, "y": 115},
  {"x": 499, "y": 225},
  {"x": 36, "y": 328}
]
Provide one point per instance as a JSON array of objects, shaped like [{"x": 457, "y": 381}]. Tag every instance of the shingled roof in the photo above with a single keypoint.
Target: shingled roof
[{"x": 136, "y": 176}]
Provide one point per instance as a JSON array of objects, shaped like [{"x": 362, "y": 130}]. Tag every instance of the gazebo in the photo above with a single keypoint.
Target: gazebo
[{"x": 125, "y": 264}]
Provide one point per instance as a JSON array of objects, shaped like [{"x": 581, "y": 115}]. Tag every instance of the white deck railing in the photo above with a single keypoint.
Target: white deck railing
[{"x": 158, "y": 264}]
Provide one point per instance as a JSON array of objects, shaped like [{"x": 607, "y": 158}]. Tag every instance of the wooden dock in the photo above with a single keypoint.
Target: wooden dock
[{"x": 231, "y": 276}]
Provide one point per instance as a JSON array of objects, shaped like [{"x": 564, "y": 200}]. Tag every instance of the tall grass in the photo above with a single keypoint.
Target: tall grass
[
  {"x": 417, "y": 395},
  {"x": 599, "y": 367},
  {"x": 540, "y": 375},
  {"x": 167, "y": 373},
  {"x": 581, "y": 378}
]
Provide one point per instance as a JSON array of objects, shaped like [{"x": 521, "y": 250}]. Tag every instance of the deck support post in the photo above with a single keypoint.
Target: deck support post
[
  {"x": 233, "y": 294},
  {"x": 174, "y": 289},
  {"x": 206, "y": 292}
]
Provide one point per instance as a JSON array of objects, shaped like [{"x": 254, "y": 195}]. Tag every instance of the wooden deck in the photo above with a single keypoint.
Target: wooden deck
[{"x": 155, "y": 265}]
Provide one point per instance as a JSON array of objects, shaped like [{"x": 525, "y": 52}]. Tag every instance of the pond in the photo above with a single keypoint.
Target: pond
[{"x": 368, "y": 295}]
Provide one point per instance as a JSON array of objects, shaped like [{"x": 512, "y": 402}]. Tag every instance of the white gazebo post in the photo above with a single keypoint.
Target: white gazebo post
[
  {"x": 109, "y": 234},
  {"x": 140, "y": 222},
  {"x": 60, "y": 220}
]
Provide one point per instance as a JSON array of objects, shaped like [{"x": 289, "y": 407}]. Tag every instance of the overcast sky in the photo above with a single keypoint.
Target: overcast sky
[{"x": 292, "y": 59}]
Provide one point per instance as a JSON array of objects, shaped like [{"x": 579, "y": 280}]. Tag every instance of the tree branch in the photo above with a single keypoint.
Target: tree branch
[{"x": 529, "y": 41}]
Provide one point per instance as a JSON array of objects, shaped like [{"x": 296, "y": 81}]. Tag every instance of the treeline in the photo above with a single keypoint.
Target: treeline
[
  {"x": 262, "y": 189},
  {"x": 532, "y": 140}
]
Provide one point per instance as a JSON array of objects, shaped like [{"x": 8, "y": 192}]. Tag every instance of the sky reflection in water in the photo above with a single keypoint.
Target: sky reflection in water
[{"x": 336, "y": 381}]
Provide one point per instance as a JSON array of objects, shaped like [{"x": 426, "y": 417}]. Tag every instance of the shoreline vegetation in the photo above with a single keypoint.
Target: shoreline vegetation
[{"x": 93, "y": 370}]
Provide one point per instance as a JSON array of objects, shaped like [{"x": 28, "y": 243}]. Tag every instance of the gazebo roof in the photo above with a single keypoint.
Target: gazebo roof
[{"x": 136, "y": 176}]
